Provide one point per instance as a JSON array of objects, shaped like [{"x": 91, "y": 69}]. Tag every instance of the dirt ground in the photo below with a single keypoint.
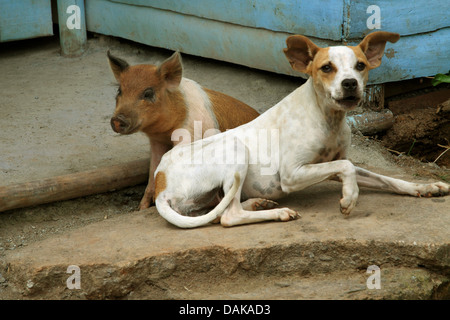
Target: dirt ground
[
  {"x": 55, "y": 120},
  {"x": 422, "y": 124}
]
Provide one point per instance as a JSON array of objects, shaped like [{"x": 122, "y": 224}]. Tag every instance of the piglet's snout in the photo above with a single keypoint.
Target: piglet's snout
[{"x": 119, "y": 124}]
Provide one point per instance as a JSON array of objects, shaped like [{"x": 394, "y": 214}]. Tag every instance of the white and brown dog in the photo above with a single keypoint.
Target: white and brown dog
[{"x": 205, "y": 181}]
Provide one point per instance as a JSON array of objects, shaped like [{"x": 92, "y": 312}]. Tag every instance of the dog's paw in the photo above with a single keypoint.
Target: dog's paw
[
  {"x": 347, "y": 205},
  {"x": 287, "y": 214},
  {"x": 437, "y": 189},
  {"x": 264, "y": 204},
  {"x": 350, "y": 192},
  {"x": 255, "y": 204}
]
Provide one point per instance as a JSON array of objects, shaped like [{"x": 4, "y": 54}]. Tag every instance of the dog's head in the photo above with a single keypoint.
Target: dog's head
[{"x": 339, "y": 73}]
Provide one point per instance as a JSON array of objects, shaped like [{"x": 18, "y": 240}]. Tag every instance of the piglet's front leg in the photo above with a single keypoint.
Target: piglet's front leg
[
  {"x": 148, "y": 198},
  {"x": 157, "y": 150}
]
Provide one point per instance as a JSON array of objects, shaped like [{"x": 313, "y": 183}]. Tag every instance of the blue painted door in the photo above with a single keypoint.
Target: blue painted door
[{"x": 25, "y": 19}]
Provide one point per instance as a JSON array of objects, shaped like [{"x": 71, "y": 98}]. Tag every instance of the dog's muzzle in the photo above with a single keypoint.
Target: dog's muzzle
[{"x": 350, "y": 97}]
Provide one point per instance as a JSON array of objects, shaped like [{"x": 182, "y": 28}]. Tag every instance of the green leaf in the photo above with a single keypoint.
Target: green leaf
[{"x": 440, "y": 78}]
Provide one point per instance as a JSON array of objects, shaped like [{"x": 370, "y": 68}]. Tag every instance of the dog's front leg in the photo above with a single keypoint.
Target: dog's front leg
[
  {"x": 369, "y": 179},
  {"x": 307, "y": 175}
]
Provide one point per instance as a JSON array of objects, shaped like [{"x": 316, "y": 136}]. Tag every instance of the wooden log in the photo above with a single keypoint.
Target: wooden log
[
  {"x": 74, "y": 185},
  {"x": 370, "y": 122}
]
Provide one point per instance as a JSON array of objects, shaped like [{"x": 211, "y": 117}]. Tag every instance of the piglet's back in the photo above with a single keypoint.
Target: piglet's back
[{"x": 230, "y": 112}]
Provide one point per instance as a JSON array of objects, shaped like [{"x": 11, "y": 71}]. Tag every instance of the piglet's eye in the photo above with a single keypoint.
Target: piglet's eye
[
  {"x": 326, "y": 68},
  {"x": 149, "y": 94}
]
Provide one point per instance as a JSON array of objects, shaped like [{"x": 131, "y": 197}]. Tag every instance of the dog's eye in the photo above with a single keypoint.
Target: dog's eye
[
  {"x": 149, "y": 94},
  {"x": 326, "y": 68},
  {"x": 360, "y": 66}
]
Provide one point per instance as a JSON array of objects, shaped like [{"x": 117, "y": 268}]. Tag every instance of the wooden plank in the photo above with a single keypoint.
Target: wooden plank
[
  {"x": 73, "y": 185},
  {"x": 404, "y": 17},
  {"x": 25, "y": 19},
  {"x": 321, "y": 19},
  {"x": 412, "y": 56},
  {"x": 256, "y": 48},
  {"x": 401, "y": 87}
]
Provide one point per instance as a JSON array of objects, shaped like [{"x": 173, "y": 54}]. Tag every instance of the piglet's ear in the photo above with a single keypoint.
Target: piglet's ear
[
  {"x": 117, "y": 65},
  {"x": 373, "y": 46},
  {"x": 300, "y": 52},
  {"x": 171, "y": 71}
]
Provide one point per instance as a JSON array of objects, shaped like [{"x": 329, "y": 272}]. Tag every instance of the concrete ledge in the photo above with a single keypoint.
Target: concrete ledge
[{"x": 122, "y": 256}]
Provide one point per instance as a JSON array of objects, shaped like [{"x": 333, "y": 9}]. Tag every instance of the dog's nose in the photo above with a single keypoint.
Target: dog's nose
[{"x": 349, "y": 84}]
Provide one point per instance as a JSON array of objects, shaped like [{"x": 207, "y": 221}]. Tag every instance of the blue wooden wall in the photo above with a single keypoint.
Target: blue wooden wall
[
  {"x": 25, "y": 19},
  {"x": 406, "y": 17},
  {"x": 253, "y": 33},
  {"x": 291, "y": 16}
]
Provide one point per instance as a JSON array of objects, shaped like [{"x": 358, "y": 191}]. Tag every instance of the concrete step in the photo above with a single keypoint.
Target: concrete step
[
  {"x": 322, "y": 255},
  {"x": 394, "y": 283}
]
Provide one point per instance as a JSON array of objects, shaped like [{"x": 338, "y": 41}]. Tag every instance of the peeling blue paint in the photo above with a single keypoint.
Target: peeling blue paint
[
  {"x": 291, "y": 16},
  {"x": 253, "y": 33},
  {"x": 73, "y": 40},
  {"x": 25, "y": 19},
  {"x": 402, "y": 16}
]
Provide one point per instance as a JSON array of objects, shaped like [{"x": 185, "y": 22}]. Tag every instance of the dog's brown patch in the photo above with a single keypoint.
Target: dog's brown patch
[{"x": 160, "y": 183}]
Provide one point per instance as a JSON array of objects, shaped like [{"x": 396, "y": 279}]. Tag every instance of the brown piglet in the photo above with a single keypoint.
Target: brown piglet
[{"x": 157, "y": 100}]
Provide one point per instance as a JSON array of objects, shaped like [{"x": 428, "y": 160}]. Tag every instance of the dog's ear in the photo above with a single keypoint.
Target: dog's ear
[
  {"x": 373, "y": 46},
  {"x": 117, "y": 65},
  {"x": 300, "y": 52},
  {"x": 171, "y": 71}
]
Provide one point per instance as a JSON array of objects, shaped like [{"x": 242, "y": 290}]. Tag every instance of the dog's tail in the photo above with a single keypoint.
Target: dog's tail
[{"x": 181, "y": 221}]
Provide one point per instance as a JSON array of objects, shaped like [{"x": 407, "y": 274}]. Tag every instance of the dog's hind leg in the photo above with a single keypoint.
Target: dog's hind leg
[
  {"x": 235, "y": 214},
  {"x": 369, "y": 179},
  {"x": 238, "y": 213}
]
